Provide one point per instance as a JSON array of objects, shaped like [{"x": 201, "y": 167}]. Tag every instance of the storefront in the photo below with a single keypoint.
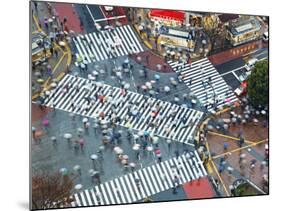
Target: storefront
[
  {"x": 243, "y": 30},
  {"x": 41, "y": 45},
  {"x": 175, "y": 37},
  {"x": 167, "y": 17}
]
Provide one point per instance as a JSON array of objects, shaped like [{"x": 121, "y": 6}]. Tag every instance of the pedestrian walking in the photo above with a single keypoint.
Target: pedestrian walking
[
  {"x": 33, "y": 132},
  {"x": 177, "y": 154},
  {"x": 56, "y": 53},
  {"x": 52, "y": 51}
]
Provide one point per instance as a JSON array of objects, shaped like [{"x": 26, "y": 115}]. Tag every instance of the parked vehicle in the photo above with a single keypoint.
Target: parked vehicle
[
  {"x": 251, "y": 63},
  {"x": 241, "y": 89},
  {"x": 265, "y": 36},
  {"x": 244, "y": 76},
  {"x": 108, "y": 8}
]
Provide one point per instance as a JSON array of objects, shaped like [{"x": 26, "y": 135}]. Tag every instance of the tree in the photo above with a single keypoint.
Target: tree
[
  {"x": 47, "y": 189},
  {"x": 258, "y": 86}
]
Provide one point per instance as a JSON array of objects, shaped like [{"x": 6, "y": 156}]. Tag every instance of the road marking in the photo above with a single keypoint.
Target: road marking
[
  {"x": 222, "y": 182},
  {"x": 111, "y": 18},
  {"x": 240, "y": 148},
  {"x": 91, "y": 14},
  {"x": 230, "y": 137},
  {"x": 231, "y": 71},
  {"x": 236, "y": 76}
]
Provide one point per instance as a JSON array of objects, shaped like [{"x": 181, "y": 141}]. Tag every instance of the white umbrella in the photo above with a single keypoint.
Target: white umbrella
[
  {"x": 63, "y": 171},
  {"x": 140, "y": 133},
  {"x": 94, "y": 157},
  {"x": 53, "y": 85},
  {"x": 126, "y": 86},
  {"x": 155, "y": 140},
  {"x": 158, "y": 66},
  {"x": 176, "y": 99},
  {"x": 133, "y": 165},
  {"x": 148, "y": 84},
  {"x": 169, "y": 141},
  {"x": 62, "y": 43},
  {"x": 76, "y": 168},
  {"x": 116, "y": 148},
  {"x": 95, "y": 73},
  {"x": 85, "y": 120},
  {"x": 149, "y": 148},
  {"x": 67, "y": 136},
  {"x": 167, "y": 89},
  {"x": 126, "y": 157},
  {"x": 78, "y": 187},
  {"x": 263, "y": 112},
  {"x": 119, "y": 151},
  {"x": 136, "y": 147},
  {"x": 91, "y": 172},
  {"x": 124, "y": 162},
  {"x": 80, "y": 130}
]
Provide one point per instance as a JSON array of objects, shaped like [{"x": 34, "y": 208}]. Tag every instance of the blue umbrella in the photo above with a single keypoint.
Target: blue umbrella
[{"x": 157, "y": 77}]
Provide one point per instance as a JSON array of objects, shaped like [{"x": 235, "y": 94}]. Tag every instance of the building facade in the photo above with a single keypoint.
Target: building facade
[{"x": 243, "y": 30}]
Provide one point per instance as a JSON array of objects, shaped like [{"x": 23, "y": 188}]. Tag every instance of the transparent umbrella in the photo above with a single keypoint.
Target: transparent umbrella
[
  {"x": 63, "y": 171},
  {"x": 167, "y": 89},
  {"x": 136, "y": 147},
  {"x": 127, "y": 86},
  {"x": 78, "y": 187},
  {"x": 67, "y": 136},
  {"x": 159, "y": 66}
]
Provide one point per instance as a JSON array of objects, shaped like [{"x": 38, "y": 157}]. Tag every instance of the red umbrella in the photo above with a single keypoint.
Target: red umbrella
[
  {"x": 81, "y": 141},
  {"x": 158, "y": 151},
  {"x": 45, "y": 122}
]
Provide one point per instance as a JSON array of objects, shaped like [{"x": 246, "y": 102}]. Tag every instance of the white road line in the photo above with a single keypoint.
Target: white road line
[
  {"x": 111, "y": 18},
  {"x": 90, "y": 13}
]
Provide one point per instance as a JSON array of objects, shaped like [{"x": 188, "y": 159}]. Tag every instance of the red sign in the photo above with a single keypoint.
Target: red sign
[{"x": 168, "y": 14}]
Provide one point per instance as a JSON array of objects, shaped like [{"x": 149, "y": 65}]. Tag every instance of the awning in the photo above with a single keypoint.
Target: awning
[{"x": 168, "y": 14}]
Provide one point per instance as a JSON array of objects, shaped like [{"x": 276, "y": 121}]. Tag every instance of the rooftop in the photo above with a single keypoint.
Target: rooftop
[{"x": 242, "y": 25}]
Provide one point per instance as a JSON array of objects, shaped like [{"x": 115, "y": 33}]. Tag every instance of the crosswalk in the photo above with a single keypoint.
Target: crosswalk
[
  {"x": 134, "y": 110},
  {"x": 205, "y": 82},
  {"x": 143, "y": 183},
  {"x": 107, "y": 44}
]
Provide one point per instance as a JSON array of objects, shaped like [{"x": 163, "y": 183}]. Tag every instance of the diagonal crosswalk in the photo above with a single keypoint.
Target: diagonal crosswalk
[
  {"x": 107, "y": 44},
  {"x": 143, "y": 183},
  {"x": 132, "y": 110},
  {"x": 205, "y": 82}
]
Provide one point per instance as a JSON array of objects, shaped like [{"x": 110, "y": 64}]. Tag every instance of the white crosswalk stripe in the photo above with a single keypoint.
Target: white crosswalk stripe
[
  {"x": 179, "y": 126},
  {"x": 129, "y": 191},
  {"x": 97, "y": 46},
  {"x": 205, "y": 82}
]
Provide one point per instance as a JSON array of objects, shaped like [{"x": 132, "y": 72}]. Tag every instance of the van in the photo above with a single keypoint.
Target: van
[
  {"x": 265, "y": 36},
  {"x": 250, "y": 64}
]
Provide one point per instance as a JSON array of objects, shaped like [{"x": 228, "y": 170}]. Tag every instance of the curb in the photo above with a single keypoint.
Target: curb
[{"x": 141, "y": 36}]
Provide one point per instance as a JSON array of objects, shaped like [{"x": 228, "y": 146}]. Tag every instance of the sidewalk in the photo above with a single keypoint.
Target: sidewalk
[
  {"x": 236, "y": 52},
  {"x": 67, "y": 10},
  {"x": 253, "y": 149},
  {"x": 199, "y": 189},
  {"x": 58, "y": 65}
]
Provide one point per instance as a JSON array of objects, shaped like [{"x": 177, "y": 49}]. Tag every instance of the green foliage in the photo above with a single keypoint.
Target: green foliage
[{"x": 258, "y": 86}]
